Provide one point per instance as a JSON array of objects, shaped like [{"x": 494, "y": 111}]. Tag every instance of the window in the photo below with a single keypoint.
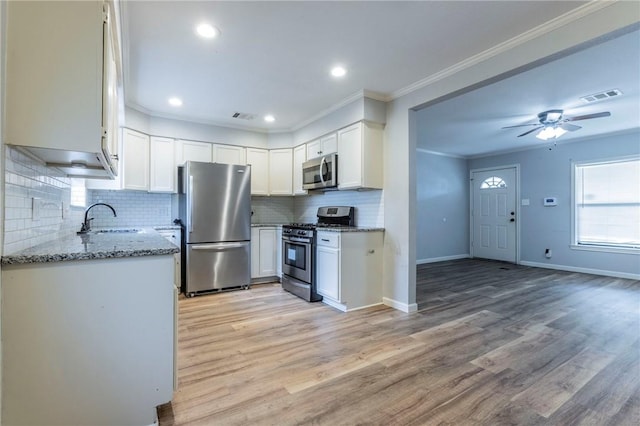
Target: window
[
  {"x": 493, "y": 182},
  {"x": 78, "y": 193},
  {"x": 607, "y": 204}
]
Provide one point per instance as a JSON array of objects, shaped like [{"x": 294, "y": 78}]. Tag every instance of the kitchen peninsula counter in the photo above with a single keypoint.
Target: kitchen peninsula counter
[{"x": 99, "y": 244}]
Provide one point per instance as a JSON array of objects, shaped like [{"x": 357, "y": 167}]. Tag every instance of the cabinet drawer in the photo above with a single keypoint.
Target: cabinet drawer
[{"x": 329, "y": 239}]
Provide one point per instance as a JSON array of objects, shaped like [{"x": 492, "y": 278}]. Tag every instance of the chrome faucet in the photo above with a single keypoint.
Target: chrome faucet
[{"x": 86, "y": 225}]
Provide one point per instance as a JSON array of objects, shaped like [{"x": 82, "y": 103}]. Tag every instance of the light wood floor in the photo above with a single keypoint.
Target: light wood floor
[{"x": 493, "y": 344}]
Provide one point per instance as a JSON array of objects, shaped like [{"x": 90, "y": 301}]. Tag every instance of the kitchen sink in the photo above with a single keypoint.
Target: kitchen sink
[{"x": 119, "y": 231}]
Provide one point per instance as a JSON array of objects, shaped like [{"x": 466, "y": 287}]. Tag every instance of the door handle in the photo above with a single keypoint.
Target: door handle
[
  {"x": 512, "y": 220},
  {"x": 219, "y": 246},
  {"x": 322, "y": 164}
]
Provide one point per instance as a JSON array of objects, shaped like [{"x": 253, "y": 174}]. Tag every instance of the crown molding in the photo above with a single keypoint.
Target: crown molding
[
  {"x": 540, "y": 30},
  {"x": 346, "y": 101}
]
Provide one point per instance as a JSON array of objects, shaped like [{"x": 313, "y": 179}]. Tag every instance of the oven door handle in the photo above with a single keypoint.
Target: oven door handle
[{"x": 298, "y": 240}]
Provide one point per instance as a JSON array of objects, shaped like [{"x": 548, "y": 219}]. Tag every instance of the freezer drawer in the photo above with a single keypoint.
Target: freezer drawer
[{"x": 214, "y": 266}]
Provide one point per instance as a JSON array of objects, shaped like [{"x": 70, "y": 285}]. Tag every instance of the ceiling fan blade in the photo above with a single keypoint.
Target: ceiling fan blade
[
  {"x": 588, "y": 116},
  {"x": 522, "y": 125},
  {"x": 531, "y": 131},
  {"x": 570, "y": 127}
]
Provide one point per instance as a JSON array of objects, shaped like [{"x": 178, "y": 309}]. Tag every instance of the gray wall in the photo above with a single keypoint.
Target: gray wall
[
  {"x": 442, "y": 207},
  {"x": 547, "y": 173}
]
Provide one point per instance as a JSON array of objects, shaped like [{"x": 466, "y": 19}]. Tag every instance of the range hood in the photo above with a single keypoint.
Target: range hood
[{"x": 73, "y": 163}]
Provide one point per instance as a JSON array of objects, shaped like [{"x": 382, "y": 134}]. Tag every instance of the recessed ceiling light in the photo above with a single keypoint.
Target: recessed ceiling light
[
  {"x": 207, "y": 31},
  {"x": 338, "y": 71},
  {"x": 269, "y": 118},
  {"x": 176, "y": 102}
]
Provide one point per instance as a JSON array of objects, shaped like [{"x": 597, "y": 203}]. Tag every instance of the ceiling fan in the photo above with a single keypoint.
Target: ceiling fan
[{"x": 553, "y": 124}]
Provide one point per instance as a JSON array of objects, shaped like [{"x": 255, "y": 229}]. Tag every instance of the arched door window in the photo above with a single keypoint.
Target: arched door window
[{"x": 493, "y": 182}]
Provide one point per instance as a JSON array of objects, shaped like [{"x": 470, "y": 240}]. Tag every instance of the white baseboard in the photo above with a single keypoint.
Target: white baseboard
[
  {"x": 443, "y": 258},
  {"x": 404, "y": 307},
  {"x": 582, "y": 270}
]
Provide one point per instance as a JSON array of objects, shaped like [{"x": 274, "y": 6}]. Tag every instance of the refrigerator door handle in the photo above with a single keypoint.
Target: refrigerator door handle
[
  {"x": 190, "y": 206},
  {"x": 218, "y": 246}
]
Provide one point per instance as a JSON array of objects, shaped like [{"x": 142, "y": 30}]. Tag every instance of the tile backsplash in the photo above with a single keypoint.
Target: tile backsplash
[
  {"x": 133, "y": 208},
  {"x": 37, "y": 203},
  {"x": 369, "y": 206},
  {"x": 272, "y": 209}
]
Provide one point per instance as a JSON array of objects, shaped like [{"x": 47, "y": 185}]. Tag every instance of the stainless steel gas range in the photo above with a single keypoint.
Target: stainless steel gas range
[{"x": 299, "y": 250}]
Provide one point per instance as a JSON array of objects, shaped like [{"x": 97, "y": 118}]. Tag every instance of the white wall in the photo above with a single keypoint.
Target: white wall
[
  {"x": 547, "y": 173},
  {"x": 442, "y": 216},
  {"x": 597, "y": 20}
]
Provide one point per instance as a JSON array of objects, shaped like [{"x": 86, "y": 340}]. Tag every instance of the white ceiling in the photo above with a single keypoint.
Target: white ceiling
[
  {"x": 274, "y": 57},
  {"x": 471, "y": 124}
]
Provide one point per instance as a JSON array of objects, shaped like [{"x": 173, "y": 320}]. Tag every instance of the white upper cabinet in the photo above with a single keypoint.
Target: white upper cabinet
[
  {"x": 163, "y": 171},
  {"x": 193, "y": 151},
  {"x": 61, "y": 85},
  {"x": 323, "y": 146},
  {"x": 299, "y": 157},
  {"x": 229, "y": 154},
  {"x": 258, "y": 159},
  {"x": 281, "y": 171},
  {"x": 360, "y": 156},
  {"x": 136, "y": 160}
]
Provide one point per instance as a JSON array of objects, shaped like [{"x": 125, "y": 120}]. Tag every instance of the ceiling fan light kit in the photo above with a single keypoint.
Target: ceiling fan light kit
[{"x": 552, "y": 123}]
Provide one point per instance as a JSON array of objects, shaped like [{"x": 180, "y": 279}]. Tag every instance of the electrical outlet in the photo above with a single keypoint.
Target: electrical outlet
[{"x": 547, "y": 253}]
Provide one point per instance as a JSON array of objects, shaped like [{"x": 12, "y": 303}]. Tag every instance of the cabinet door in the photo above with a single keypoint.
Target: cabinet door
[
  {"x": 313, "y": 149},
  {"x": 279, "y": 251},
  {"x": 117, "y": 182},
  {"x": 255, "y": 252},
  {"x": 193, "y": 151},
  {"x": 281, "y": 171},
  {"x": 328, "y": 272},
  {"x": 329, "y": 143},
  {"x": 228, "y": 154},
  {"x": 267, "y": 252},
  {"x": 350, "y": 157},
  {"x": 258, "y": 159},
  {"x": 163, "y": 171},
  {"x": 136, "y": 160},
  {"x": 299, "y": 157}
]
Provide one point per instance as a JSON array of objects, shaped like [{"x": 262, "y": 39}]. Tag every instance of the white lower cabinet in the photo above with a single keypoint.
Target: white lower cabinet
[
  {"x": 349, "y": 268},
  {"x": 83, "y": 339},
  {"x": 264, "y": 256}
]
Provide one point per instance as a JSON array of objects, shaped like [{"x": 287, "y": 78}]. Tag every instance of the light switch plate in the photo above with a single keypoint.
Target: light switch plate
[{"x": 525, "y": 201}]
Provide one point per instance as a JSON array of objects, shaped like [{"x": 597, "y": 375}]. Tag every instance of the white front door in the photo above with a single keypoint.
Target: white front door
[{"x": 493, "y": 214}]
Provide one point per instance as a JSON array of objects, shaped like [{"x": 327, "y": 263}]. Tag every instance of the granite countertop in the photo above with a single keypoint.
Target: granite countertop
[
  {"x": 262, "y": 225},
  {"x": 349, "y": 229},
  {"x": 167, "y": 227},
  {"x": 98, "y": 244}
]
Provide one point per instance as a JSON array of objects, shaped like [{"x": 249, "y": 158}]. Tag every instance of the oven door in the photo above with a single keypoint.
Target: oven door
[{"x": 296, "y": 258}]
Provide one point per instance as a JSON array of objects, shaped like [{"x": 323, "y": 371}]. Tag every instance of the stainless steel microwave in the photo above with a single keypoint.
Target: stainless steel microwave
[{"x": 321, "y": 172}]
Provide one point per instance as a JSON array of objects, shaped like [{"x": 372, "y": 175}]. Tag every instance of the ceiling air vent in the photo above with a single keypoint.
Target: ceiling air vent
[
  {"x": 243, "y": 116},
  {"x": 601, "y": 96}
]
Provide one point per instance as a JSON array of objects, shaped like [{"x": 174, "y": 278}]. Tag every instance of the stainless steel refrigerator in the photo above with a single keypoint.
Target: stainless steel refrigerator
[{"x": 215, "y": 210}]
